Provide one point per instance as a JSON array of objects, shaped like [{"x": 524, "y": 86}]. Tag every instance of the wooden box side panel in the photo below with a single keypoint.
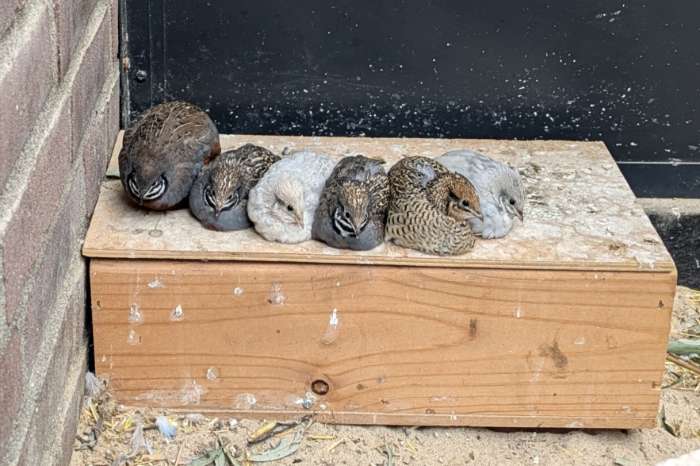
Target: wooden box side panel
[{"x": 395, "y": 345}]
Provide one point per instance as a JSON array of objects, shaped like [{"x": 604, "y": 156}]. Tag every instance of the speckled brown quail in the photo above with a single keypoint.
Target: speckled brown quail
[
  {"x": 164, "y": 151},
  {"x": 429, "y": 207},
  {"x": 219, "y": 196},
  {"x": 352, "y": 210}
]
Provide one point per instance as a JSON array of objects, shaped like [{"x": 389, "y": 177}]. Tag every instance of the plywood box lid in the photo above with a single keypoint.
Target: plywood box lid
[{"x": 579, "y": 214}]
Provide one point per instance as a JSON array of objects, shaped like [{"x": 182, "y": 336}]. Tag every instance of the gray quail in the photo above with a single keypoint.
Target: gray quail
[
  {"x": 429, "y": 207},
  {"x": 164, "y": 151},
  {"x": 352, "y": 210},
  {"x": 499, "y": 188},
  {"x": 219, "y": 196}
]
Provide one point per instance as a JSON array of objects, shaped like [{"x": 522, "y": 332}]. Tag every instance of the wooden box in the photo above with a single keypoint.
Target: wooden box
[{"x": 561, "y": 324}]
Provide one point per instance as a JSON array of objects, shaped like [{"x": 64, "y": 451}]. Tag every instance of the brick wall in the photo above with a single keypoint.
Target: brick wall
[{"x": 59, "y": 115}]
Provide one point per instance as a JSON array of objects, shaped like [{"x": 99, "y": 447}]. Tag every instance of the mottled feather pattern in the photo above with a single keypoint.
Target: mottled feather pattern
[
  {"x": 417, "y": 217},
  {"x": 169, "y": 144},
  {"x": 219, "y": 196},
  {"x": 352, "y": 208}
]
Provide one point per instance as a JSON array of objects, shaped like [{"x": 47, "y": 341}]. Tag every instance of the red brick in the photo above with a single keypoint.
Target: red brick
[
  {"x": 50, "y": 432},
  {"x": 48, "y": 278},
  {"x": 37, "y": 208},
  {"x": 89, "y": 81},
  {"x": 72, "y": 16},
  {"x": 11, "y": 388},
  {"x": 97, "y": 148},
  {"x": 9, "y": 10},
  {"x": 25, "y": 88}
]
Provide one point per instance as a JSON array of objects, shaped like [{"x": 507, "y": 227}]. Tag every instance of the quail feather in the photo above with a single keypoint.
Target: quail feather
[
  {"x": 164, "y": 151},
  {"x": 429, "y": 207},
  {"x": 283, "y": 203},
  {"x": 499, "y": 187},
  {"x": 219, "y": 196},
  {"x": 352, "y": 209}
]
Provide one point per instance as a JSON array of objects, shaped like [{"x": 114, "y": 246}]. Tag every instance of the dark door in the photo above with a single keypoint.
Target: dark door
[{"x": 625, "y": 73}]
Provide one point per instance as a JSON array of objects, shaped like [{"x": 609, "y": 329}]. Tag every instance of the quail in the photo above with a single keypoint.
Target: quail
[
  {"x": 283, "y": 203},
  {"x": 352, "y": 210},
  {"x": 219, "y": 196},
  {"x": 164, "y": 151},
  {"x": 499, "y": 188},
  {"x": 429, "y": 207}
]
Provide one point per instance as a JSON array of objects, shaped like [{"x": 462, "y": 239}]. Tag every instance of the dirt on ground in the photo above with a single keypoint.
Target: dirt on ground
[{"x": 112, "y": 435}]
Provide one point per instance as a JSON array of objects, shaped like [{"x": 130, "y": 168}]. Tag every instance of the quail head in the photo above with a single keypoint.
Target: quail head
[
  {"x": 219, "y": 196},
  {"x": 499, "y": 188},
  {"x": 430, "y": 207},
  {"x": 352, "y": 209},
  {"x": 283, "y": 202},
  {"x": 163, "y": 153}
]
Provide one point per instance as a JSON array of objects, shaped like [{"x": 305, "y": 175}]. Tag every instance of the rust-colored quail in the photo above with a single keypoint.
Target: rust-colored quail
[
  {"x": 163, "y": 153},
  {"x": 219, "y": 196},
  {"x": 429, "y": 207},
  {"x": 352, "y": 210}
]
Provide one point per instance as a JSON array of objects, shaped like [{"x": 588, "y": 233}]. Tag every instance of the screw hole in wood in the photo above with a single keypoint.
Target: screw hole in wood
[{"x": 320, "y": 387}]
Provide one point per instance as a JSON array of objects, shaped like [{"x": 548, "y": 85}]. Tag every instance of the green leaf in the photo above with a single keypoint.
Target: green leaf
[{"x": 684, "y": 346}]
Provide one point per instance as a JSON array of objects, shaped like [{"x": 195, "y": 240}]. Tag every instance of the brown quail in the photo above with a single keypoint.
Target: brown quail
[
  {"x": 163, "y": 153},
  {"x": 352, "y": 210},
  {"x": 429, "y": 207},
  {"x": 219, "y": 196}
]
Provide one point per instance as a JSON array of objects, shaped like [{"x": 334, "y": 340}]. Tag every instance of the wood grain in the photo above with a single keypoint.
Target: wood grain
[
  {"x": 414, "y": 345},
  {"x": 580, "y": 214}
]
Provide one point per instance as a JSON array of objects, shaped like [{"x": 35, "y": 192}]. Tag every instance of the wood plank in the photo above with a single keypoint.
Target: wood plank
[
  {"x": 580, "y": 214},
  {"x": 414, "y": 345}
]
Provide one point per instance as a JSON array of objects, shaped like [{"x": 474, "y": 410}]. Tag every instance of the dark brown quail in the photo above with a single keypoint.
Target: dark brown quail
[
  {"x": 219, "y": 196},
  {"x": 163, "y": 153},
  {"x": 352, "y": 210},
  {"x": 429, "y": 207}
]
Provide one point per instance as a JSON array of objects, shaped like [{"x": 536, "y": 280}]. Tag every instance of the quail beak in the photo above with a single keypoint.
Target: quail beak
[
  {"x": 140, "y": 199},
  {"x": 300, "y": 220},
  {"x": 520, "y": 214},
  {"x": 217, "y": 212}
]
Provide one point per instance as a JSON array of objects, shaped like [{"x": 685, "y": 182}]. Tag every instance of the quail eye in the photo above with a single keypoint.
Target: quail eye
[
  {"x": 512, "y": 202},
  {"x": 465, "y": 204},
  {"x": 290, "y": 208},
  {"x": 347, "y": 215}
]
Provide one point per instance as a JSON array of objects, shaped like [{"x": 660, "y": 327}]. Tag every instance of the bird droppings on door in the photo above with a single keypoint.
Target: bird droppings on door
[
  {"x": 135, "y": 315},
  {"x": 192, "y": 393},
  {"x": 156, "y": 283},
  {"x": 212, "y": 374},
  {"x": 245, "y": 401},
  {"x": 330, "y": 335},
  {"x": 177, "y": 314},
  {"x": 277, "y": 297},
  {"x": 238, "y": 291},
  {"x": 133, "y": 338}
]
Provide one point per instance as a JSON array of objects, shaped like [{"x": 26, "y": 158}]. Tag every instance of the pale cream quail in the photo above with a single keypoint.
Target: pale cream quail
[
  {"x": 352, "y": 210},
  {"x": 283, "y": 203},
  {"x": 164, "y": 151},
  {"x": 429, "y": 207},
  {"x": 219, "y": 196}
]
